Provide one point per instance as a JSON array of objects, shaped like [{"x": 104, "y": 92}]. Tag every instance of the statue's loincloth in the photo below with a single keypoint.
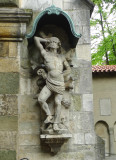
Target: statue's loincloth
[{"x": 55, "y": 85}]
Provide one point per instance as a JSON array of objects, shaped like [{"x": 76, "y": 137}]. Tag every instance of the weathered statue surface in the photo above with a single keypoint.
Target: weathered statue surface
[{"x": 57, "y": 70}]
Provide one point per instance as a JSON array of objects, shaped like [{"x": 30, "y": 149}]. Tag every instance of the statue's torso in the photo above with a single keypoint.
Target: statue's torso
[{"x": 54, "y": 66}]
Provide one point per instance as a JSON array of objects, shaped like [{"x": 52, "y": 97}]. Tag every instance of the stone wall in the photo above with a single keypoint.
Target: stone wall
[
  {"x": 11, "y": 35},
  {"x": 81, "y": 145},
  {"x": 9, "y": 88},
  {"x": 104, "y": 91},
  {"x": 20, "y": 112}
]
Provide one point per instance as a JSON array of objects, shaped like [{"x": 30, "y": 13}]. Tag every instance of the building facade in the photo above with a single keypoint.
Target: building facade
[{"x": 104, "y": 101}]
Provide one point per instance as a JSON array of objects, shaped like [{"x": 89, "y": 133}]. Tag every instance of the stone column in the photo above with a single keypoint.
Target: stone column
[
  {"x": 111, "y": 135},
  {"x": 12, "y": 32}
]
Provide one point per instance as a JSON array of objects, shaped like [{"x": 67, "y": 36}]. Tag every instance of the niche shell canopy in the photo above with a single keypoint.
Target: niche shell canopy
[{"x": 55, "y": 16}]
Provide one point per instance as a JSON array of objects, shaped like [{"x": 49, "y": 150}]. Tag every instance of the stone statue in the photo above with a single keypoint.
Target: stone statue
[{"x": 57, "y": 70}]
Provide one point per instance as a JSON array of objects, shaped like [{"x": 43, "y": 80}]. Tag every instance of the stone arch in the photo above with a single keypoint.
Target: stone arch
[
  {"x": 102, "y": 130},
  {"x": 54, "y": 16}
]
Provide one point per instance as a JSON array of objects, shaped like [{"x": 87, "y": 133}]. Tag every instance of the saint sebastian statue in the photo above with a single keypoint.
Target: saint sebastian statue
[{"x": 57, "y": 68}]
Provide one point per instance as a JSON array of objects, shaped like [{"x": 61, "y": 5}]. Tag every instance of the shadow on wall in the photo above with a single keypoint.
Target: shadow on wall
[{"x": 102, "y": 130}]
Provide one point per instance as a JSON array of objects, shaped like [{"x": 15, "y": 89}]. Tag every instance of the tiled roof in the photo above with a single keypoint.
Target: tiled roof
[{"x": 105, "y": 68}]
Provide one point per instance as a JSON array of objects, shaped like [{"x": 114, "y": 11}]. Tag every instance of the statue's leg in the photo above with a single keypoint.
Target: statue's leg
[
  {"x": 42, "y": 98},
  {"x": 58, "y": 99}
]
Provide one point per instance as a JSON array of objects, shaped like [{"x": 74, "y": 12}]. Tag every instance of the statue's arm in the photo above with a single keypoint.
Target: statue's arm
[
  {"x": 38, "y": 44},
  {"x": 67, "y": 70}
]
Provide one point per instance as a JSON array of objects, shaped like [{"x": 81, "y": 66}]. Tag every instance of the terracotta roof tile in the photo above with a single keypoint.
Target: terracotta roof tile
[{"x": 105, "y": 68}]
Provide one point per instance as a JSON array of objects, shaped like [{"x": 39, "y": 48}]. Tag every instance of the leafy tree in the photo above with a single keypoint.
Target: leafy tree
[{"x": 105, "y": 52}]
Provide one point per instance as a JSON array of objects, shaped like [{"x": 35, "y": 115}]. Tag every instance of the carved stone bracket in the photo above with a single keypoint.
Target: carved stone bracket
[{"x": 55, "y": 141}]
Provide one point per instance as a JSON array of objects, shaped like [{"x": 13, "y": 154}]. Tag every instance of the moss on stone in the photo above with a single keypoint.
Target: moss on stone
[
  {"x": 8, "y": 3},
  {"x": 8, "y": 123},
  {"x": 9, "y": 83},
  {"x": 76, "y": 102},
  {"x": 7, "y": 155}
]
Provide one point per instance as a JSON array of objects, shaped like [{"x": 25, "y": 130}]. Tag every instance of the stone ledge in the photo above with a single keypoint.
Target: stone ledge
[
  {"x": 55, "y": 141},
  {"x": 9, "y": 3},
  {"x": 62, "y": 136},
  {"x": 15, "y": 20},
  {"x": 15, "y": 15}
]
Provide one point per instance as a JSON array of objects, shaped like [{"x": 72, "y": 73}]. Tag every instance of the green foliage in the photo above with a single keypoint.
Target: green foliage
[
  {"x": 109, "y": 45},
  {"x": 105, "y": 52}
]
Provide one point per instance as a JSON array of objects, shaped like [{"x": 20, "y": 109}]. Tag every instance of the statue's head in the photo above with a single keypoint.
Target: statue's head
[{"x": 54, "y": 42}]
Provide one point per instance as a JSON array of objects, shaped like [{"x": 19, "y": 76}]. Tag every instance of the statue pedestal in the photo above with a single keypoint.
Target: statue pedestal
[{"x": 55, "y": 141}]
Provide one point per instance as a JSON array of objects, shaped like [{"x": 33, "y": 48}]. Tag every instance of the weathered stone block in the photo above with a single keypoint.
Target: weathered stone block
[
  {"x": 26, "y": 139},
  {"x": 75, "y": 73},
  {"x": 86, "y": 35},
  {"x": 13, "y": 49},
  {"x": 85, "y": 80},
  {"x": 9, "y": 83},
  {"x": 9, "y": 65},
  {"x": 13, "y": 3},
  {"x": 8, "y": 123},
  {"x": 89, "y": 138},
  {"x": 79, "y": 30},
  {"x": 8, "y": 105},
  {"x": 36, "y": 4},
  {"x": 7, "y": 155},
  {"x": 80, "y": 63},
  {"x": 76, "y": 102},
  {"x": 25, "y": 87},
  {"x": 29, "y": 149},
  {"x": 8, "y": 140},
  {"x": 75, "y": 117},
  {"x": 79, "y": 138},
  {"x": 71, "y": 1},
  {"x": 86, "y": 121},
  {"x": 29, "y": 117},
  {"x": 28, "y": 104},
  {"x": 83, "y": 52},
  {"x": 87, "y": 102},
  {"x": 29, "y": 128},
  {"x": 90, "y": 155},
  {"x": 58, "y": 3},
  {"x": 10, "y": 30},
  {"x": 47, "y": 156},
  {"x": 4, "y": 49},
  {"x": 79, "y": 17},
  {"x": 68, "y": 5}
]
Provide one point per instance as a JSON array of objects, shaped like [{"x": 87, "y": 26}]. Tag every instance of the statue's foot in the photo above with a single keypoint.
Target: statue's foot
[
  {"x": 49, "y": 119},
  {"x": 56, "y": 127}
]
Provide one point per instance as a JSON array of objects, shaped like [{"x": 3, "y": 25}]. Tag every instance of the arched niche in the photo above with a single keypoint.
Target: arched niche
[
  {"x": 54, "y": 22},
  {"x": 102, "y": 130}
]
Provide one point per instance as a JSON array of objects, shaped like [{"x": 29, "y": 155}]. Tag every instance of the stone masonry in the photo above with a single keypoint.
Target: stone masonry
[{"x": 19, "y": 111}]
